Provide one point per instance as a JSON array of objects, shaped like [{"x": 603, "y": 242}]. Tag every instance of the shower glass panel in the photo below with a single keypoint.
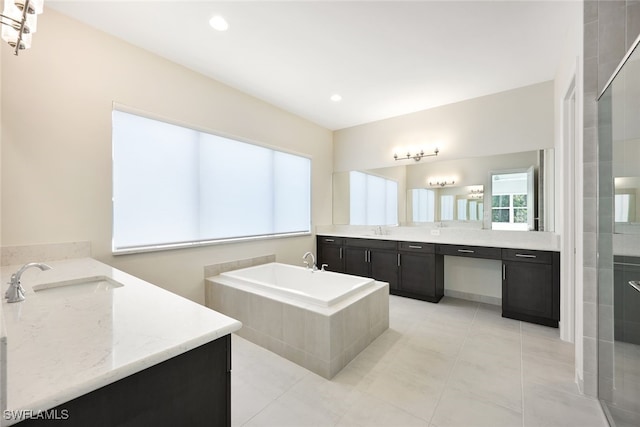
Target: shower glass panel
[{"x": 619, "y": 246}]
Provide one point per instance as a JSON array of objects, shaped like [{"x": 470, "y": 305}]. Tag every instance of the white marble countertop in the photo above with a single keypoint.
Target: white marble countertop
[
  {"x": 537, "y": 240},
  {"x": 62, "y": 344}
]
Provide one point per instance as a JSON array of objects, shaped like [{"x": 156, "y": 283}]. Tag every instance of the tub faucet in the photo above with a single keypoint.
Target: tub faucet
[
  {"x": 15, "y": 293},
  {"x": 314, "y": 267}
]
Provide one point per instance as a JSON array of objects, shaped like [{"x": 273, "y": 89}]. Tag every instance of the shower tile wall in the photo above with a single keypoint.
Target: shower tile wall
[{"x": 610, "y": 28}]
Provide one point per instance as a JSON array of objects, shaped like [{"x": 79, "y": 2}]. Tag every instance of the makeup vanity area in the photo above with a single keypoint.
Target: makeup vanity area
[{"x": 466, "y": 230}]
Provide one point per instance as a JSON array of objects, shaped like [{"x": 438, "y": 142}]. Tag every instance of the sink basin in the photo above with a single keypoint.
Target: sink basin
[{"x": 82, "y": 285}]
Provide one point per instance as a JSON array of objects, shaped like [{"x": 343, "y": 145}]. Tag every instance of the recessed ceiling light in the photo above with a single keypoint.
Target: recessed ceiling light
[
  {"x": 336, "y": 98},
  {"x": 217, "y": 22}
]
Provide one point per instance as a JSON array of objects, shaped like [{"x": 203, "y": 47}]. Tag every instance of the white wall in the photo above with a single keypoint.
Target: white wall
[
  {"x": 570, "y": 72},
  {"x": 56, "y": 145},
  {"x": 507, "y": 122}
]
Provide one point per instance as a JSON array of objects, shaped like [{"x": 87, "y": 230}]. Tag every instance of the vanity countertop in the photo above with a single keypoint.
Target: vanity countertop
[
  {"x": 63, "y": 343},
  {"x": 545, "y": 241}
]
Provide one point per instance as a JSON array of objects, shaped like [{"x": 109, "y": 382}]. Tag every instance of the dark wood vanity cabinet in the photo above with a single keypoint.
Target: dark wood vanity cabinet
[
  {"x": 190, "y": 389},
  {"x": 530, "y": 279},
  {"x": 377, "y": 259},
  {"x": 330, "y": 251},
  {"x": 421, "y": 271},
  {"x": 531, "y": 286}
]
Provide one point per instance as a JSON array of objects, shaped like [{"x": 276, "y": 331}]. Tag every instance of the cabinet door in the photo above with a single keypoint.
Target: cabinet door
[
  {"x": 384, "y": 267},
  {"x": 527, "y": 289},
  {"x": 332, "y": 255},
  {"x": 417, "y": 274},
  {"x": 356, "y": 261}
]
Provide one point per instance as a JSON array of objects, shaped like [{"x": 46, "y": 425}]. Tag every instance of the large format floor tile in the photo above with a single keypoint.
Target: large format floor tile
[{"x": 456, "y": 363}]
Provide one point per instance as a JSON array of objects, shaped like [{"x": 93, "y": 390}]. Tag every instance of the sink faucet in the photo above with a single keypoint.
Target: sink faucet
[
  {"x": 15, "y": 293},
  {"x": 313, "y": 261}
]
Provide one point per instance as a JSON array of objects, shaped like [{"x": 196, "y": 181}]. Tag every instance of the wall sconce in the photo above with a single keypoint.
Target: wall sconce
[
  {"x": 417, "y": 157},
  {"x": 441, "y": 183},
  {"x": 19, "y": 22}
]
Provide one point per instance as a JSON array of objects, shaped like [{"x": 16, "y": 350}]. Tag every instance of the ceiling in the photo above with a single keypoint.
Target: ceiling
[{"x": 385, "y": 58}]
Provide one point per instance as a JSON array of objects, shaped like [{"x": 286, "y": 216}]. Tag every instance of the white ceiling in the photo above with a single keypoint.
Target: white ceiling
[{"x": 386, "y": 58}]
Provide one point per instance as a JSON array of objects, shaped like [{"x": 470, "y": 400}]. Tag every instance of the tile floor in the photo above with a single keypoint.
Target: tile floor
[{"x": 456, "y": 363}]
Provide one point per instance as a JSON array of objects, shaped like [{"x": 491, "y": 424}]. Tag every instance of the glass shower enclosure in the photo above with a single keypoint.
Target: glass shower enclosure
[{"x": 619, "y": 245}]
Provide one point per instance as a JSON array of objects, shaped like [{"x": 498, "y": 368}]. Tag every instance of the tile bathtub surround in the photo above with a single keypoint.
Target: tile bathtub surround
[
  {"x": 215, "y": 269},
  {"x": 456, "y": 363},
  {"x": 321, "y": 339}
]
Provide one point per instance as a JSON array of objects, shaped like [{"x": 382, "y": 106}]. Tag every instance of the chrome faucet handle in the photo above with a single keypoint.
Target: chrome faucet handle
[
  {"x": 323, "y": 266},
  {"x": 15, "y": 293}
]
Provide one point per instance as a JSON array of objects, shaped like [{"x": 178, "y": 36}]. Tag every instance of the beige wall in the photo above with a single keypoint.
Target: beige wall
[
  {"x": 469, "y": 171},
  {"x": 56, "y": 145},
  {"x": 507, "y": 122}
]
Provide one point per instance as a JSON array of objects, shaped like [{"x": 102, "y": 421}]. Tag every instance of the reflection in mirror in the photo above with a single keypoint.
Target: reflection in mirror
[
  {"x": 423, "y": 207},
  {"x": 512, "y": 199},
  {"x": 445, "y": 204},
  {"x": 626, "y": 200},
  {"x": 372, "y": 199}
]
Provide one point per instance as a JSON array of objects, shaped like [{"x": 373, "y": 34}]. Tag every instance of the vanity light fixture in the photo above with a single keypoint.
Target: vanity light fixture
[
  {"x": 19, "y": 22},
  {"x": 218, "y": 23},
  {"x": 417, "y": 157},
  {"x": 477, "y": 193},
  {"x": 442, "y": 183}
]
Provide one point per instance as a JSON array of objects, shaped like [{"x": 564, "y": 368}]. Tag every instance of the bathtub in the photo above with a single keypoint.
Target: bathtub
[
  {"x": 323, "y": 288},
  {"x": 320, "y": 320}
]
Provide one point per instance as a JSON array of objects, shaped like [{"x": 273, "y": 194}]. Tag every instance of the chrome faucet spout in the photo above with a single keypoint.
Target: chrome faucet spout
[
  {"x": 15, "y": 293},
  {"x": 313, "y": 265}
]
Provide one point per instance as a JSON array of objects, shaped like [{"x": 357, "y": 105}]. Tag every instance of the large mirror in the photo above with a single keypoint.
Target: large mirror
[{"x": 447, "y": 193}]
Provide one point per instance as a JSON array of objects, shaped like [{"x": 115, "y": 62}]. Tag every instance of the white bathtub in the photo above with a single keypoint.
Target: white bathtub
[
  {"x": 323, "y": 288},
  {"x": 320, "y": 320}
]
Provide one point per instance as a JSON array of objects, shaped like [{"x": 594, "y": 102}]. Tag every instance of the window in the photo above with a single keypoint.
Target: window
[
  {"x": 512, "y": 195},
  {"x": 373, "y": 200},
  {"x": 622, "y": 204},
  {"x": 462, "y": 209},
  {"x": 446, "y": 207},
  {"x": 509, "y": 208},
  {"x": 424, "y": 205},
  {"x": 174, "y": 186}
]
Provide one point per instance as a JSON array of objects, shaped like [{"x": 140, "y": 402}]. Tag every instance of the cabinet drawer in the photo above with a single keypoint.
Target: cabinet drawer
[
  {"x": 329, "y": 240},
  {"x": 470, "y": 251},
  {"x": 372, "y": 243},
  {"x": 525, "y": 255},
  {"x": 419, "y": 247}
]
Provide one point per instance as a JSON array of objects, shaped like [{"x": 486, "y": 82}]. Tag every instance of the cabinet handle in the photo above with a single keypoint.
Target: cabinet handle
[
  {"x": 635, "y": 284},
  {"x": 366, "y": 257},
  {"x": 504, "y": 271},
  {"x": 525, "y": 256},
  {"x": 340, "y": 253},
  {"x": 466, "y": 251},
  {"x": 329, "y": 240},
  {"x": 398, "y": 260},
  {"x": 415, "y": 247}
]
